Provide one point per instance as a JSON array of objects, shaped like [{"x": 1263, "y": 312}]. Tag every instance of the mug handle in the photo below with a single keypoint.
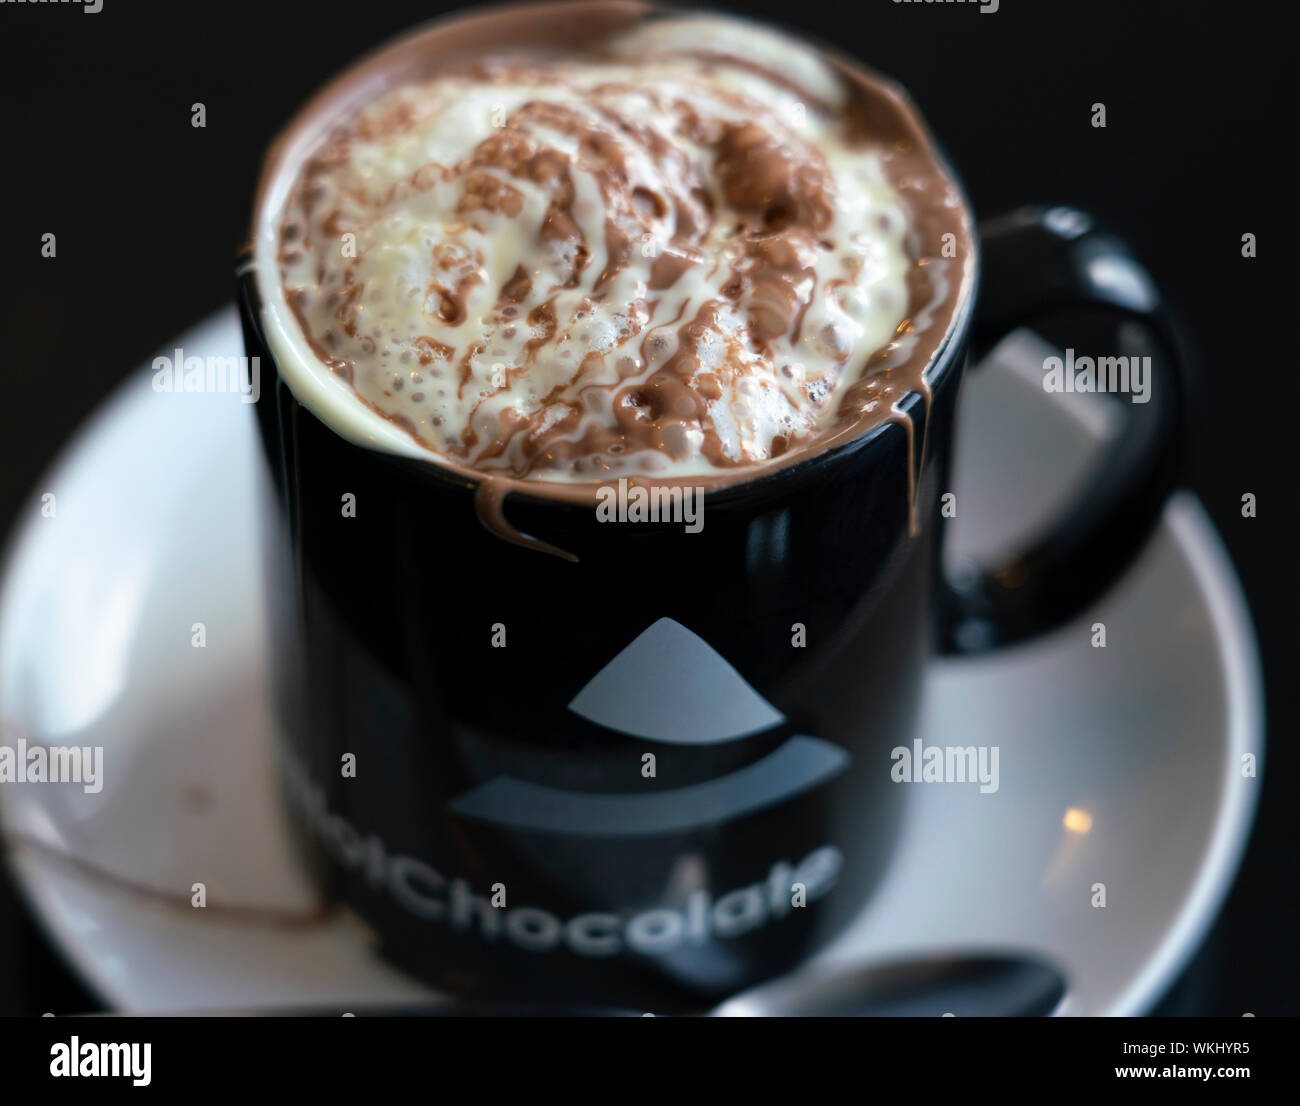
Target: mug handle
[{"x": 1038, "y": 262}]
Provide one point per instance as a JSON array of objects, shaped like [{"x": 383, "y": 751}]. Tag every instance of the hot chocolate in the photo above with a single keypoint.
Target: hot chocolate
[
  {"x": 529, "y": 257},
  {"x": 682, "y": 248}
]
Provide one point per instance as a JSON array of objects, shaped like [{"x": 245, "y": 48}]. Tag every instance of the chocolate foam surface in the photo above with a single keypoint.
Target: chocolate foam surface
[{"x": 678, "y": 249}]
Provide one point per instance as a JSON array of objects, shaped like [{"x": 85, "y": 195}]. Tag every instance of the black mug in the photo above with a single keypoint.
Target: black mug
[{"x": 660, "y": 772}]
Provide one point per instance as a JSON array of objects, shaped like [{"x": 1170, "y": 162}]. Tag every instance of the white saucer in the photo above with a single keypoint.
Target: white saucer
[{"x": 155, "y": 530}]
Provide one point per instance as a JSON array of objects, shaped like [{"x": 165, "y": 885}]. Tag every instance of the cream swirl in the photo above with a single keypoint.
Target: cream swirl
[{"x": 643, "y": 261}]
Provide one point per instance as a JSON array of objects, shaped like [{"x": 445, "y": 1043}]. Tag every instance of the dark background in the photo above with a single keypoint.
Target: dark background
[{"x": 1200, "y": 98}]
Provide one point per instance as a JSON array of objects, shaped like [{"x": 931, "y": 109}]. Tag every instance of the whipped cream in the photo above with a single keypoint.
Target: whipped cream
[{"x": 644, "y": 261}]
